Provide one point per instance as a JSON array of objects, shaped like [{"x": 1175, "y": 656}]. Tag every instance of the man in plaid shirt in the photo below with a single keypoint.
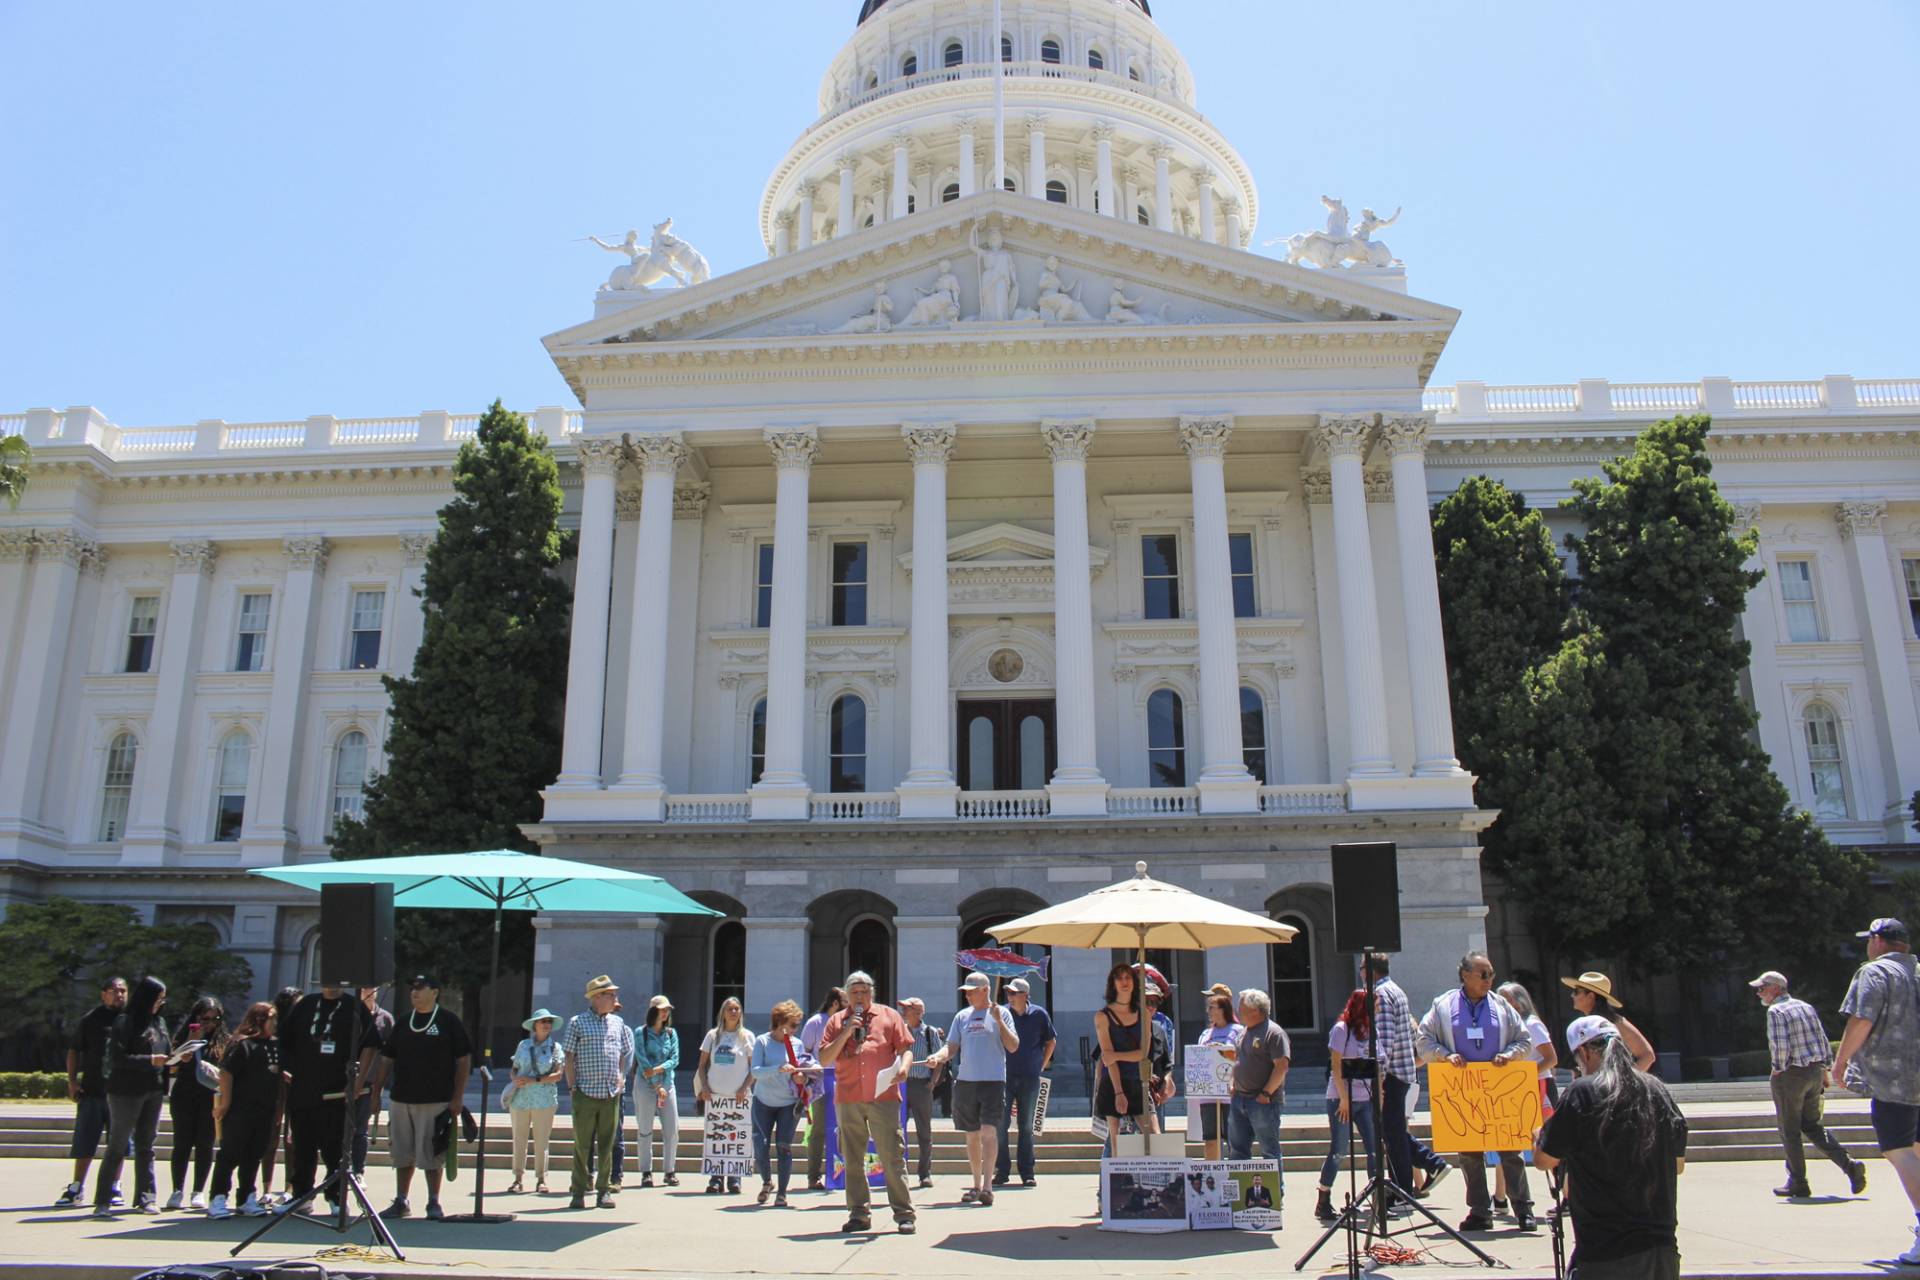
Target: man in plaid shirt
[
  {"x": 1394, "y": 1023},
  {"x": 1802, "y": 1056},
  {"x": 599, "y": 1048}
]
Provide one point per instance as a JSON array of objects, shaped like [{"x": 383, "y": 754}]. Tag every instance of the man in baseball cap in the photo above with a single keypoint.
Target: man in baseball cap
[
  {"x": 1801, "y": 1053},
  {"x": 1880, "y": 1052},
  {"x": 981, "y": 1037}
]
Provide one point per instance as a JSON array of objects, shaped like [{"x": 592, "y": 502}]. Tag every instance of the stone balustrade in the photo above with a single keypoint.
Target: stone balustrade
[{"x": 1599, "y": 398}]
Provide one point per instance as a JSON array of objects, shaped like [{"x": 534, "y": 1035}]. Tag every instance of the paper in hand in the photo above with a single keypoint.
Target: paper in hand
[{"x": 186, "y": 1051}]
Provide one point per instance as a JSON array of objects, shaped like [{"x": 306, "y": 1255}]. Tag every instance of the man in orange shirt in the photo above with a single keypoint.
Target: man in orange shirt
[{"x": 859, "y": 1043}]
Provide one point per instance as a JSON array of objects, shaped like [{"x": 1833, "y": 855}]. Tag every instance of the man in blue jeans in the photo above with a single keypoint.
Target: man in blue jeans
[
  {"x": 1025, "y": 1067},
  {"x": 1259, "y": 1082}
]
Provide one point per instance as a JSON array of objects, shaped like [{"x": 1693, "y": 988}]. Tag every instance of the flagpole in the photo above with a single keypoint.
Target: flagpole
[{"x": 999, "y": 104}]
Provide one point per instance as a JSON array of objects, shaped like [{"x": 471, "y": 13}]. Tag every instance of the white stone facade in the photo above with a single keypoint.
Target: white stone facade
[{"x": 814, "y": 550}]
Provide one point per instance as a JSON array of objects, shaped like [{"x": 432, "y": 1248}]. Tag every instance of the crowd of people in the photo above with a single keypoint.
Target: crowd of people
[{"x": 305, "y": 1074}]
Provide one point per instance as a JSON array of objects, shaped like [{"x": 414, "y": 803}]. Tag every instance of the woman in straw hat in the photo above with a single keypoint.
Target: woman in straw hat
[
  {"x": 1593, "y": 996},
  {"x": 538, "y": 1065}
]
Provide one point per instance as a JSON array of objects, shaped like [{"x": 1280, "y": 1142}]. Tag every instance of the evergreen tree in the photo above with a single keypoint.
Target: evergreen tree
[
  {"x": 1728, "y": 867},
  {"x": 475, "y": 730}
]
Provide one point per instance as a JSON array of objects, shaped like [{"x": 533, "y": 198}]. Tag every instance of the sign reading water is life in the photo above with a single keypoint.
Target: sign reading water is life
[{"x": 1481, "y": 1107}]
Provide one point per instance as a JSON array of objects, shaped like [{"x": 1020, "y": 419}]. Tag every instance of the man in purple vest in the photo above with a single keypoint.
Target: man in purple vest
[{"x": 1474, "y": 1024}]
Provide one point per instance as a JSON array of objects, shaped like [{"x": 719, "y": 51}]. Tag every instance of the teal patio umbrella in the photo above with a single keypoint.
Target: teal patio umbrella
[{"x": 498, "y": 880}]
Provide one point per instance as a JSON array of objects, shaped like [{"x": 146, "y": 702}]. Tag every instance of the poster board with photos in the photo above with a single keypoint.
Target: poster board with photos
[
  {"x": 1233, "y": 1194},
  {"x": 726, "y": 1139},
  {"x": 1143, "y": 1194},
  {"x": 1481, "y": 1107}
]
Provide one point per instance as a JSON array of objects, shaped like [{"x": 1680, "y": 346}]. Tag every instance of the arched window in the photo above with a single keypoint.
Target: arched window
[
  {"x": 847, "y": 744},
  {"x": 1008, "y": 184},
  {"x": 1006, "y": 48},
  {"x": 909, "y": 65},
  {"x": 230, "y": 791},
  {"x": 950, "y": 193},
  {"x": 1290, "y": 965},
  {"x": 870, "y": 947},
  {"x": 953, "y": 55},
  {"x": 757, "y": 742},
  {"x": 1133, "y": 74},
  {"x": 1166, "y": 740},
  {"x": 729, "y": 965},
  {"x": 1828, "y": 770},
  {"x": 1253, "y": 732},
  {"x": 873, "y": 80},
  {"x": 1143, "y": 215},
  {"x": 116, "y": 789},
  {"x": 1050, "y": 51},
  {"x": 1097, "y": 60},
  {"x": 349, "y": 775},
  {"x": 1056, "y": 192}
]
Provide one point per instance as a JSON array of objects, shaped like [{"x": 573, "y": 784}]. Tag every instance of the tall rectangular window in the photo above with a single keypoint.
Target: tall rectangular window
[
  {"x": 849, "y": 584},
  {"x": 1240, "y": 557},
  {"x": 1796, "y": 591},
  {"x": 763, "y": 585},
  {"x": 369, "y": 614},
  {"x": 142, "y": 623},
  {"x": 1160, "y": 574},
  {"x": 1911, "y": 568},
  {"x": 251, "y": 652}
]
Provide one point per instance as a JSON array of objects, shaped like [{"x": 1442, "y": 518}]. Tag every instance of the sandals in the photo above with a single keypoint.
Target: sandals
[
  {"x": 516, "y": 1189},
  {"x": 539, "y": 1188},
  {"x": 766, "y": 1193}
]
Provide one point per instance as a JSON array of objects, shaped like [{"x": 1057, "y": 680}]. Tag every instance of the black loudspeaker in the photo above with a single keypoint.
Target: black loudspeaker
[
  {"x": 356, "y": 934},
  {"x": 1366, "y": 897}
]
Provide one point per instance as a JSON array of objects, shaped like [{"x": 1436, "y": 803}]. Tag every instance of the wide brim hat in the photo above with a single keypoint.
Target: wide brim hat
[
  {"x": 542, "y": 1014},
  {"x": 600, "y": 984},
  {"x": 1598, "y": 983}
]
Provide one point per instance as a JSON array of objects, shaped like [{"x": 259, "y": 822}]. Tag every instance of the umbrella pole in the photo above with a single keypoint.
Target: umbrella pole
[
  {"x": 1146, "y": 1034},
  {"x": 480, "y": 1213}
]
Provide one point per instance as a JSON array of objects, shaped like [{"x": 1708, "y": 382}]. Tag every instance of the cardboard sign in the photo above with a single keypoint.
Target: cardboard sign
[
  {"x": 1208, "y": 1072},
  {"x": 1040, "y": 1105},
  {"x": 726, "y": 1139},
  {"x": 1481, "y": 1107},
  {"x": 1143, "y": 1193},
  {"x": 1229, "y": 1194}
]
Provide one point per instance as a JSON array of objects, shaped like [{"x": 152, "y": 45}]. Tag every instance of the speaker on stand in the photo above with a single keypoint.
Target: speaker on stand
[{"x": 356, "y": 935}]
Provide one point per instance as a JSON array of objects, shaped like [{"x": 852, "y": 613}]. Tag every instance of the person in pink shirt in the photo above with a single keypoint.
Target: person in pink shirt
[{"x": 859, "y": 1043}]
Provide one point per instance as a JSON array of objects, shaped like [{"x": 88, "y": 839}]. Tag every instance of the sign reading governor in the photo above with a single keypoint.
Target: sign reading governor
[{"x": 1481, "y": 1107}]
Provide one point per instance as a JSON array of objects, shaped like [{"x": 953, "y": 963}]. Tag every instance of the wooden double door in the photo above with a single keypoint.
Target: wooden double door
[{"x": 1006, "y": 744}]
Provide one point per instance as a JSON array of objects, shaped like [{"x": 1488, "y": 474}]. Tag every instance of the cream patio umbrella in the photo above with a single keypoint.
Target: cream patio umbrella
[{"x": 1143, "y": 913}]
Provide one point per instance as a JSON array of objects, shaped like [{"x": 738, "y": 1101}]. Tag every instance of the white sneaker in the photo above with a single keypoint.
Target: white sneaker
[
  {"x": 254, "y": 1209},
  {"x": 175, "y": 1200},
  {"x": 1912, "y": 1255},
  {"x": 198, "y": 1202},
  {"x": 217, "y": 1208}
]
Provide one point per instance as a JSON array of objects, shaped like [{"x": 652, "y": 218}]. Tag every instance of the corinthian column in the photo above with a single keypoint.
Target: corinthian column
[
  {"x": 929, "y": 788},
  {"x": 272, "y": 832},
  {"x": 1225, "y": 785},
  {"x": 1077, "y": 787},
  {"x": 643, "y": 784},
  {"x": 1405, "y": 435},
  {"x": 153, "y": 823},
  {"x": 1863, "y": 527},
  {"x": 587, "y": 641},
  {"x": 1344, "y": 438},
  {"x": 782, "y": 790}
]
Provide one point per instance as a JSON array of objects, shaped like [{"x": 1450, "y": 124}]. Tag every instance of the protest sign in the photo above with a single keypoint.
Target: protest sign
[
  {"x": 726, "y": 1140},
  {"x": 1481, "y": 1107},
  {"x": 1143, "y": 1193},
  {"x": 1208, "y": 1072},
  {"x": 1040, "y": 1105},
  {"x": 1242, "y": 1194}
]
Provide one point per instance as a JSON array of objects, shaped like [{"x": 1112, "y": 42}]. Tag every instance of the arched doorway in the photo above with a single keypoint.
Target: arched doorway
[
  {"x": 990, "y": 907},
  {"x": 848, "y": 930},
  {"x": 1307, "y": 980}
]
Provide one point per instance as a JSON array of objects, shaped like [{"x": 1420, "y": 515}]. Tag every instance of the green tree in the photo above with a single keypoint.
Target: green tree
[
  {"x": 475, "y": 731},
  {"x": 55, "y": 954},
  {"x": 14, "y": 456},
  {"x": 1731, "y": 869}
]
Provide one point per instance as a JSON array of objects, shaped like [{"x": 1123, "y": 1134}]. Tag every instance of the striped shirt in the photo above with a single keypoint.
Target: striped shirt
[
  {"x": 1795, "y": 1036},
  {"x": 600, "y": 1049},
  {"x": 1395, "y": 1030}
]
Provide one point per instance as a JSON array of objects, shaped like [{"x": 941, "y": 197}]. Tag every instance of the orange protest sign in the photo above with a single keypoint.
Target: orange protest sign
[{"x": 1481, "y": 1107}]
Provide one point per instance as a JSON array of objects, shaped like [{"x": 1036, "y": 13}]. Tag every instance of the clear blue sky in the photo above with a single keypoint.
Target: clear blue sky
[{"x": 260, "y": 211}]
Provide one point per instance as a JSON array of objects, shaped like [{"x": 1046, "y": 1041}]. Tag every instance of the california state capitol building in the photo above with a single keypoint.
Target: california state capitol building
[{"x": 991, "y": 535}]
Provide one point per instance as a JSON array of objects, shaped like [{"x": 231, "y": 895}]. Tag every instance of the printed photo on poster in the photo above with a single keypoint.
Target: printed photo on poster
[
  {"x": 1145, "y": 1193},
  {"x": 1243, "y": 1194},
  {"x": 726, "y": 1139}
]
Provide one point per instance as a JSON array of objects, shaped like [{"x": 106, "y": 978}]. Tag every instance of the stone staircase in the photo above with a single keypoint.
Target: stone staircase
[{"x": 1730, "y": 1129}]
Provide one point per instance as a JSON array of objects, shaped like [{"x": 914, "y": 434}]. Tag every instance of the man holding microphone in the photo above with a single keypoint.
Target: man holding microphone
[{"x": 871, "y": 1051}]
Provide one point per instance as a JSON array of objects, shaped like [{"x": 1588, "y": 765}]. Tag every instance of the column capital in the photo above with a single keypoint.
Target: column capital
[
  {"x": 306, "y": 552},
  {"x": 1405, "y": 432},
  {"x": 1378, "y": 484},
  {"x": 1316, "y": 485},
  {"x": 1068, "y": 439},
  {"x": 965, "y": 125},
  {"x": 1036, "y": 122},
  {"x": 901, "y": 139},
  {"x": 784, "y": 219},
  {"x": 792, "y": 447},
  {"x": 599, "y": 455},
  {"x": 1160, "y": 150},
  {"x": 1206, "y": 173},
  {"x": 626, "y": 504},
  {"x": 68, "y": 547},
  {"x": 1861, "y": 516},
  {"x": 415, "y": 545},
  {"x": 193, "y": 555},
  {"x": 1102, "y": 131},
  {"x": 657, "y": 451},
  {"x": 1344, "y": 435},
  {"x": 930, "y": 442},
  {"x": 1746, "y": 515},
  {"x": 806, "y": 190},
  {"x": 1230, "y": 205},
  {"x": 1204, "y": 435},
  {"x": 16, "y": 544},
  {"x": 847, "y": 160},
  {"x": 690, "y": 500}
]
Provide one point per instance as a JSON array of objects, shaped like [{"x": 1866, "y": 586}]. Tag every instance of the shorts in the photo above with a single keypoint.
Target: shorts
[
  {"x": 91, "y": 1122},
  {"x": 977, "y": 1104},
  {"x": 1896, "y": 1125},
  {"x": 410, "y": 1134}
]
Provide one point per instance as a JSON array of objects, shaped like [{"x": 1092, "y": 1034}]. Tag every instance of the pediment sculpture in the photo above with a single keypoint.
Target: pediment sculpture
[
  {"x": 665, "y": 257},
  {"x": 1338, "y": 245}
]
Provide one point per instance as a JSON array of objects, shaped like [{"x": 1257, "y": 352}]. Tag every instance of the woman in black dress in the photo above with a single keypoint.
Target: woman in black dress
[{"x": 1119, "y": 1095}]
